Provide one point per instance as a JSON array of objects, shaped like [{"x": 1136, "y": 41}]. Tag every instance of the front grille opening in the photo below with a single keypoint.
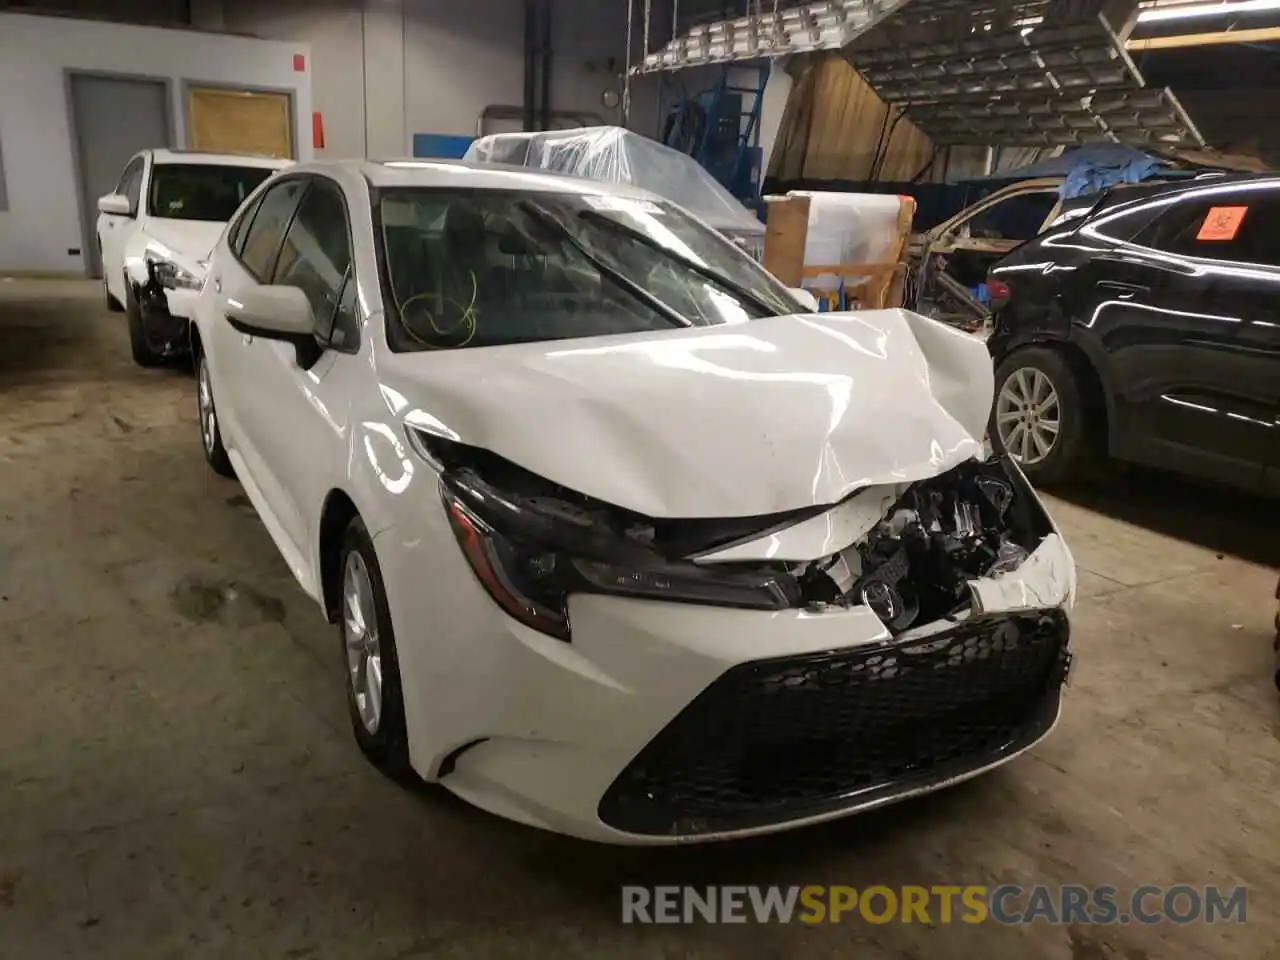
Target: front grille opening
[{"x": 785, "y": 739}]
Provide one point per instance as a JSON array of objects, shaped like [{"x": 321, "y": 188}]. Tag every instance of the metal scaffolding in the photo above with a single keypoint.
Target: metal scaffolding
[
  {"x": 1013, "y": 72},
  {"x": 769, "y": 30}
]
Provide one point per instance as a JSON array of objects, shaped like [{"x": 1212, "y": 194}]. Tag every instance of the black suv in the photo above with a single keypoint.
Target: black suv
[{"x": 1145, "y": 325}]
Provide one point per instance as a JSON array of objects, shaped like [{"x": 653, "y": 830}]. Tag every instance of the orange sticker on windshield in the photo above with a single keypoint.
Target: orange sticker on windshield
[{"x": 1222, "y": 223}]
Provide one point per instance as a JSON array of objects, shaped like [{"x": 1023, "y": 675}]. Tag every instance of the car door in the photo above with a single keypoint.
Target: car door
[
  {"x": 1248, "y": 287},
  {"x": 114, "y": 231},
  {"x": 1173, "y": 307},
  {"x": 303, "y": 426},
  {"x": 293, "y": 420},
  {"x": 239, "y": 358}
]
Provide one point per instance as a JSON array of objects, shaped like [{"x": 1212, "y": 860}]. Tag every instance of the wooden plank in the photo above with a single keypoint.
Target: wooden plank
[
  {"x": 240, "y": 121},
  {"x": 1257, "y": 35},
  {"x": 896, "y": 291},
  {"x": 785, "y": 236}
]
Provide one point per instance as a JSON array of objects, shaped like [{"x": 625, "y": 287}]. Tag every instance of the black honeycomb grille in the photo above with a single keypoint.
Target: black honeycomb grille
[{"x": 784, "y": 739}]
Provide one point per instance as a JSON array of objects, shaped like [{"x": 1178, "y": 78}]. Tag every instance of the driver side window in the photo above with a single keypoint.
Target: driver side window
[
  {"x": 263, "y": 238},
  {"x": 316, "y": 258},
  {"x": 130, "y": 184}
]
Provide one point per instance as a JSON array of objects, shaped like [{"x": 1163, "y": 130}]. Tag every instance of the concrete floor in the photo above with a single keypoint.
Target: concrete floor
[{"x": 177, "y": 778}]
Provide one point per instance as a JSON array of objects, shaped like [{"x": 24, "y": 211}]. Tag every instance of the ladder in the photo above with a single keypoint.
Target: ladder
[{"x": 720, "y": 127}]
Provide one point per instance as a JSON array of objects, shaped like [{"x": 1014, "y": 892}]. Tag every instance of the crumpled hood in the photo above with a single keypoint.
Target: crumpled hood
[
  {"x": 189, "y": 241},
  {"x": 728, "y": 421}
]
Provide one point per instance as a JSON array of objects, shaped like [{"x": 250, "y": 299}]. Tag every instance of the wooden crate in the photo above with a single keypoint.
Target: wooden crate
[{"x": 878, "y": 285}]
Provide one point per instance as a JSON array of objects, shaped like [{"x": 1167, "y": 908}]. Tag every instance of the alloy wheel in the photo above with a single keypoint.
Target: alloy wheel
[
  {"x": 360, "y": 637},
  {"x": 1028, "y": 415},
  {"x": 208, "y": 415}
]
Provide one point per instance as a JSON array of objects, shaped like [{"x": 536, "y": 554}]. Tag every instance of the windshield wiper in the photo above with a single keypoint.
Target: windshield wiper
[
  {"x": 551, "y": 221},
  {"x": 737, "y": 289}
]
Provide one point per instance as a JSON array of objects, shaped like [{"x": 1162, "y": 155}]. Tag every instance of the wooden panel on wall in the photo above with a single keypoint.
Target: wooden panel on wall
[
  {"x": 836, "y": 128},
  {"x": 240, "y": 121}
]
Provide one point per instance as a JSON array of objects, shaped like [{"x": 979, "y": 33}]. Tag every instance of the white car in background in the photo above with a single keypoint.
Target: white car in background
[
  {"x": 622, "y": 542},
  {"x": 155, "y": 232}
]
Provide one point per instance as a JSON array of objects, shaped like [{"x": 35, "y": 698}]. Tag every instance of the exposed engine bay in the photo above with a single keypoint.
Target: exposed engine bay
[{"x": 913, "y": 567}]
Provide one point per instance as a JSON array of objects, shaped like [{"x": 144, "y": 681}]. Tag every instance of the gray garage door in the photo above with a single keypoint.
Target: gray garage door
[{"x": 114, "y": 118}]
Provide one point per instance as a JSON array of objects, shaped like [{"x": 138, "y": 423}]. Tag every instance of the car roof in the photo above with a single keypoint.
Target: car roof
[
  {"x": 219, "y": 159},
  {"x": 1157, "y": 188},
  {"x": 463, "y": 173}
]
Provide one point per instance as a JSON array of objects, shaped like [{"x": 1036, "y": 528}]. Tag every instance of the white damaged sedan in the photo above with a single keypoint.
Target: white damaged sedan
[{"x": 620, "y": 540}]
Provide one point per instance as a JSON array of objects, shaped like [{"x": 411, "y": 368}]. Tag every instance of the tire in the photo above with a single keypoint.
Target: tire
[
  {"x": 144, "y": 355},
  {"x": 380, "y": 732},
  {"x": 215, "y": 454},
  {"x": 1069, "y": 453}
]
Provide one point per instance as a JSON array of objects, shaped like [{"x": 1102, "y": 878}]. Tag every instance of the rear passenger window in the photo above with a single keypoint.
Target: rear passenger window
[
  {"x": 1129, "y": 226},
  {"x": 262, "y": 240},
  {"x": 1176, "y": 229},
  {"x": 1237, "y": 226}
]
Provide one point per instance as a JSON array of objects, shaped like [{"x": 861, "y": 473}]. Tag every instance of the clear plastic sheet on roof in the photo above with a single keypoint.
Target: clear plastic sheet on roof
[{"x": 615, "y": 155}]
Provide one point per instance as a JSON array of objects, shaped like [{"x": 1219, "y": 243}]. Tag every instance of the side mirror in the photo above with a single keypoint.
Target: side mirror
[
  {"x": 805, "y": 297},
  {"x": 115, "y": 205},
  {"x": 281, "y": 313},
  {"x": 275, "y": 312}
]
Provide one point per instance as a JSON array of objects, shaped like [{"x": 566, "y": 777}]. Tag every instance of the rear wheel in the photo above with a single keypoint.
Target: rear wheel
[{"x": 1039, "y": 415}]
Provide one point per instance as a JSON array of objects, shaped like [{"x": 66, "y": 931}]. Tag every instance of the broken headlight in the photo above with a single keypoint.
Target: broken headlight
[
  {"x": 170, "y": 276},
  {"x": 530, "y": 553}
]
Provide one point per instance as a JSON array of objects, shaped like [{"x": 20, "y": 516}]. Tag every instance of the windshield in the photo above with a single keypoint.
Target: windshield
[
  {"x": 470, "y": 268},
  {"x": 195, "y": 191}
]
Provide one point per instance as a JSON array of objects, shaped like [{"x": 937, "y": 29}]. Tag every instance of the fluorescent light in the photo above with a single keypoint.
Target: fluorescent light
[{"x": 1224, "y": 8}]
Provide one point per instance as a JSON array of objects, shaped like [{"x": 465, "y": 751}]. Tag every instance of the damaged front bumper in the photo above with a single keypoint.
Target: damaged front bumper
[
  {"x": 928, "y": 703},
  {"x": 166, "y": 310},
  {"x": 657, "y": 721}
]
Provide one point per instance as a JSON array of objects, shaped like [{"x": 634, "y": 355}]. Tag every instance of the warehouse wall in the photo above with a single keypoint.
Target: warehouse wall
[
  {"x": 384, "y": 70},
  {"x": 42, "y": 222}
]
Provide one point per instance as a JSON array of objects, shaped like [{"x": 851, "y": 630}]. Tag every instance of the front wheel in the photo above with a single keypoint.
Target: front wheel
[
  {"x": 375, "y": 698},
  {"x": 144, "y": 354},
  {"x": 1039, "y": 416},
  {"x": 215, "y": 454}
]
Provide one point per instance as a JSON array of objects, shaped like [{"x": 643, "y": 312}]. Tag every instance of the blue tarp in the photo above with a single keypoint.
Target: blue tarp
[
  {"x": 441, "y": 146},
  {"x": 1090, "y": 168}
]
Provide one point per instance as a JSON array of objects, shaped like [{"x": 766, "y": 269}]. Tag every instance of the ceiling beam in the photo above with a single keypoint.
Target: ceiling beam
[{"x": 1258, "y": 35}]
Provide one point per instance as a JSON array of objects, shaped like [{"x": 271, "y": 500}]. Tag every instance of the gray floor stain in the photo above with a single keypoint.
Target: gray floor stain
[{"x": 226, "y": 602}]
